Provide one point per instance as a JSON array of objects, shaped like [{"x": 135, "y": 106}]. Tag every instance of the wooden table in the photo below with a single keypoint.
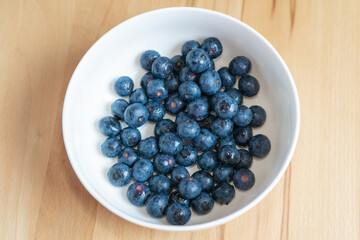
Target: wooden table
[{"x": 41, "y": 42}]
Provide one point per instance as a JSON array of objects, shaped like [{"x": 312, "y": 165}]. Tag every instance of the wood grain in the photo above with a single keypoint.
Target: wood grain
[{"x": 41, "y": 42}]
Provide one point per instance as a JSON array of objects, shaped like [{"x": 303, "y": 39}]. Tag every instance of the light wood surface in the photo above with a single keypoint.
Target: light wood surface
[{"x": 41, "y": 42}]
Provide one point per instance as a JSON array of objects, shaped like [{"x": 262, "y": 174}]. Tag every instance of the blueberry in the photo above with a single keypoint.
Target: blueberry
[
  {"x": 164, "y": 163},
  {"x": 229, "y": 155},
  {"x": 164, "y": 125},
  {"x": 206, "y": 123},
  {"x": 205, "y": 140},
  {"x": 223, "y": 193},
  {"x": 189, "y": 187},
  {"x": 215, "y": 98},
  {"x": 156, "y": 205},
  {"x": 136, "y": 115},
  {"x": 146, "y": 79},
  {"x": 198, "y": 109},
  {"x": 259, "y": 146},
  {"x": 138, "y": 193},
  {"x": 208, "y": 161},
  {"x": 138, "y": 96},
  {"x": 187, "y": 156},
  {"x": 245, "y": 159},
  {"x": 142, "y": 170},
  {"x": 225, "y": 106},
  {"x": 203, "y": 204},
  {"x": 119, "y": 175},
  {"x": 170, "y": 143},
  {"x": 235, "y": 94},
  {"x": 174, "y": 104},
  {"x": 210, "y": 82},
  {"x": 130, "y": 136},
  {"x": 128, "y": 156},
  {"x": 162, "y": 67},
  {"x": 197, "y": 60},
  {"x": 179, "y": 173},
  {"x": 175, "y": 197},
  {"x": 206, "y": 180},
  {"x": 148, "y": 147},
  {"x": 186, "y": 75},
  {"x": 156, "y": 90},
  {"x": 124, "y": 86},
  {"x": 189, "y": 91},
  {"x": 228, "y": 140},
  {"x": 109, "y": 126},
  {"x": 156, "y": 111},
  {"x": 223, "y": 174},
  {"x": 160, "y": 184},
  {"x": 188, "y": 129},
  {"x": 259, "y": 116},
  {"x": 212, "y": 47},
  {"x": 243, "y": 116},
  {"x": 178, "y": 214},
  {"x": 227, "y": 79},
  {"x": 244, "y": 179},
  {"x": 118, "y": 108},
  {"x": 188, "y": 46},
  {"x": 211, "y": 65},
  {"x": 171, "y": 83},
  {"x": 178, "y": 62},
  {"x": 111, "y": 147},
  {"x": 221, "y": 127},
  {"x": 181, "y": 117},
  {"x": 240, "y": 66},
  {"x": 249, "y": 86},
  {"x": 147, "y": 59},
  {"x": 242, "y": 135}
]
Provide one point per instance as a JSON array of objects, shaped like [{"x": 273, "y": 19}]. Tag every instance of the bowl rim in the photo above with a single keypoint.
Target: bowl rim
[{"x": 200, "y": 226}]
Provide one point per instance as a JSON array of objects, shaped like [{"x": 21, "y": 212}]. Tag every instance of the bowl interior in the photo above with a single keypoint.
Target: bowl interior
[{"x": 90, "y": 94}]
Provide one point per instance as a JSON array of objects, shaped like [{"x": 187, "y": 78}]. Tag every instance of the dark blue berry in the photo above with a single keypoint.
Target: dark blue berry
[
  {"x": 187, "y": 156},
  {"x": 181, "y": 117},
  {"x": 174, "y": 104},
  {"x": 160, "y": 184},
  {"x": 198, "y": 109},
  {"x": 111, "y": 147},
  {"x": 227, "y": 79},
  {"x": 189, "y": 187},
  {"x": 138, "y": 193},
  {"x": 242, "y": 135},
  {"x": 211, "y": 65},
  {"x": 109, "y": 126},
  {"x": 156, "y": 111},
  {"x": 208, "y": 161},
  {"x": 249, "y": 86},
  {"x": 244, "y": 179},
  {"x": 259, "y": 116},
  {"x": 206, "y": 180},
  {"x": 146, "y": 79},
  {"x": 206, "y": 123},
  {"x": 170, "y": 143},
  {"x": 138, "y": 96},
  {"x": 172, "y": 83},
  {"x": 142, "y": 170},
  {"x": 148, "y": 147},
  {"x": 188, "y": 46},
  {"x": 130, "y": 137},
  {"x": 221, "y": 127},
  {"x": 228, "y": 140},
  {"x": 147, "y": 59},
  {"x": 223, "y": 174},
  {"x": 189, "y": 91},
  {"x": 128, "y": 156},
  {"x": 259, "y": 146},
  {"x": 179, "y": 173},
  {"x": 119, "y": 175},
  {"x": 229, "y": 155},
  {"x": 205, "y": 140},
  {"x": 188, "y": 129},
  {"x": 118, "y": 108},
  {"x": 223, "y": 193},
  {"x": 186, "y": 75},
  {"x": 156, "y": 90},
  {"x": 136, "y": 115},
  {"x": 212, "y": 47},
  {"x": 178, "y": 214},
  {"x": 178, "y": 62},
  {"x": 164, "y": 163},
  {"x": 225, "y": 106},
  {"x": 175, "y": 197},
  {"x": 210, "y": 82},
  {"x": 235, "y": 94},
  {"x": 162, "y": 67},
  {"x": 124, "y": 86},
  {"x": 197, "y": 60},
  {"x": 164, "y": 125},
  {"x": 243, "y": 116},
  {"x": 203, "y": 204},
  {"x": 245, "y": 159},
  {"x": 240, "y": 66},
  {"x": 156, "y": 205}
]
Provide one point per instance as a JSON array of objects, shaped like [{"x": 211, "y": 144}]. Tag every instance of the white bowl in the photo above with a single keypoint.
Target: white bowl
[{"x": 90, "y": 94}]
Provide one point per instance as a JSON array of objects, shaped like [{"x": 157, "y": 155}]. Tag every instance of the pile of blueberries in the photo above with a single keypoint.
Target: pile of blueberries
[{"x": 210, "y": 123}]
